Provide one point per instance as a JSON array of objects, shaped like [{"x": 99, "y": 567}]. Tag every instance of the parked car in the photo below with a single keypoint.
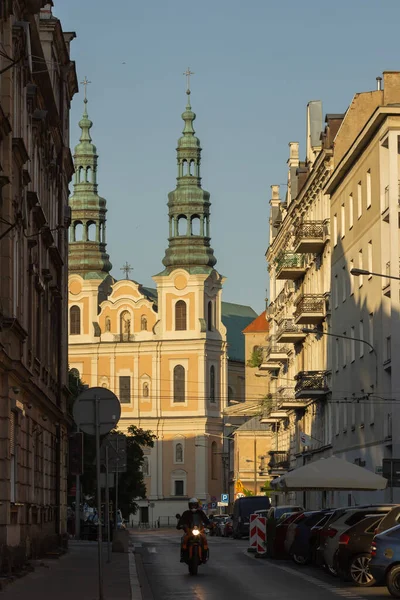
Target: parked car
[
  {"x": 214, "y": 523},
  {"x": 390, "y": 520},
  {"x": 279, "y": 514},
  {"x": 221, "y": 525},
  {"x": 316, "y": 536},
  {"x": 242, "y": 509},
  {"x": 227, "y": 530},
  {"x": 353, "y": 554},
  {"x": 385, "y": 559},
  {"x": 340, "y": 520},
  {"x": 299, "y": 535}
]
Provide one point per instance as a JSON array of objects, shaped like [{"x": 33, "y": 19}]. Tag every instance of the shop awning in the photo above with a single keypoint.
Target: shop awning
[{"x": 329, "y": 474}]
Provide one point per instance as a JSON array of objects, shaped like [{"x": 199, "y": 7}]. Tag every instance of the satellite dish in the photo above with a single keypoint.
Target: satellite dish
[{"x": 84, "y": 410}]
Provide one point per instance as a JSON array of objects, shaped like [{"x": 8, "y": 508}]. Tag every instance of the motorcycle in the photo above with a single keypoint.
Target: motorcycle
[{"x": 195, "y": 554}]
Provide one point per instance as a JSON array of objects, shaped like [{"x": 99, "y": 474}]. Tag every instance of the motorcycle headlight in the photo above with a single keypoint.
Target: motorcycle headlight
[{"x": 196, "y": 532}]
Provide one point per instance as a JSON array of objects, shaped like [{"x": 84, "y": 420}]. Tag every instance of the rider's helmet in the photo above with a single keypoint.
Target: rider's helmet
[{"x": 194, "y": 504}]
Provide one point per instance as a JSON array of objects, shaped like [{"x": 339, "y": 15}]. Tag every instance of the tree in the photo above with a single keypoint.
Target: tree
[{"x": 256, "y": 357}]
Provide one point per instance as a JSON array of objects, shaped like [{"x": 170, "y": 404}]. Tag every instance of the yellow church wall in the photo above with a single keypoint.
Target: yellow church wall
[
  {"x": 170, "y": 465},
  {"x": 125, "y": 290},
  {"x": 137, "y": 320},
  {"x": 123, "y": 362},
  {"x": 103, "y": 366},
  {"x": 145, "y": 364},
  {"x": 171, "y": 299},
  {"x": 190, "y": 363},
  {"x": 84, "y": 366},
  {"x": 85, "y": 314},
  {"x": 75, "y": 287}
]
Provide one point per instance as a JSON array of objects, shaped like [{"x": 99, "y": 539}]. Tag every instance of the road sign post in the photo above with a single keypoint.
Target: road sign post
[{"x": 108, "y": 511}]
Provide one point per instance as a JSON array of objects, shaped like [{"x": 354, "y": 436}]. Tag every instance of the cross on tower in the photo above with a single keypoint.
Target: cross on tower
[
  {"x": 85, "y": 83},
  {"x": 127, "y": 269},
  {"x": 188, "y": 73}
]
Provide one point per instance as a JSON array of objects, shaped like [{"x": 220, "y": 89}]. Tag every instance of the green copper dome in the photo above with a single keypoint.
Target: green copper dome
[
  {"x": 189, "y": 208},
  {"x": 87, "y": 243}
]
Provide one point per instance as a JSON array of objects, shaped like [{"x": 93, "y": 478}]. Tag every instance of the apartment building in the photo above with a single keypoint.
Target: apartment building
[
  {"x": 37, "y": 83},
  {"x": 299, "y": 264},
  {"x": 364, "y": 191}
]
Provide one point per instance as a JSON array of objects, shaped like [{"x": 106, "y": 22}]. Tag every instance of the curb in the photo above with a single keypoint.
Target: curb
[{"x": 136, "y": 589}]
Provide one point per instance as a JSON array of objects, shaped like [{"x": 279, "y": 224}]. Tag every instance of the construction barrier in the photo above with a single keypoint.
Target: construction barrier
[
  {"x": 261, "y": 536},
  {"x": 253, "y": 534}
]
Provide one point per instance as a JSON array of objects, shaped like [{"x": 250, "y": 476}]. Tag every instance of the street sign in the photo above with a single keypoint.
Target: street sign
[
  {"x": 225, "y": 498},
  {"x": 213, "y": 505},
  {"x": 204, "y": 506},
  {"x": 223, "y": 503},
  {"x": 84, "y": 410}
]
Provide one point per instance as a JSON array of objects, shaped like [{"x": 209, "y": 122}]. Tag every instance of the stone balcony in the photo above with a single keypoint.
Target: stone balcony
[
  {"x": 279, "y": 462},
  {"x": 289, "y": 333},
  {"x": 310, "y": 309},
  {"x": 290, "y": 265},
  {"x": 287, "y": 400},
  {"x": 310, "y": 237},
  {"x": 311, "y": 384}
]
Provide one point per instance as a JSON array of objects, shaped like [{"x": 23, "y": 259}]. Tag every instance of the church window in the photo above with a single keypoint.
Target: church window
[
  {"x": 78, "y": 232},
  {"x": 180, "y": 316},
  {"x": 124, "y": 389},
  {"x": 214, "y": 460},
  {"x": 195, "y": 222},
  {"x": 212, "y": 384},
  {"x": 179, "y": 384},
  {"x": 91, "y": 232},
  {"x": 191, "y": 167},
  {"x": 182, "y": 225},
  {"x": 89, "y": 175},
  {"x": 210, "y": 316},
  {"x": 125, "y": 326},
  {"x": 179, "y": 487},
  {"x": 79, "y": 175},
  {"x": 185, "y": 167},
  {"x": 75, "y": 320},
  {"x": 145, "y": 390},
  {"x": 179, "y": 453},
  {"x": 108, "y": 324},
  {"x": 143, "y": 323}
]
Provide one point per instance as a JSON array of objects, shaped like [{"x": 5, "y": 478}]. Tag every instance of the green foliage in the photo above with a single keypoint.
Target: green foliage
[
  {"x": 256, "y": 357},
  {"x": 247, "y": 492},
  {"x": 267, "y": 403}
]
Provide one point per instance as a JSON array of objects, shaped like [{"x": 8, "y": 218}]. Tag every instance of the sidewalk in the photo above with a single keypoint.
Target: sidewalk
[{"x": 75, "y": 576}]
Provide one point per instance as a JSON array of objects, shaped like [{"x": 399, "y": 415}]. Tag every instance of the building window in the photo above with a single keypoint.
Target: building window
[
  {"x": 360, "y": 266},
  {"x": 369, "y": 258},
  {"x": 361, "y": 338},
  {"x": 336, "y": 355},
  {"x": 75, "y": 320},
  {"x": 179, "y": 384},
  {"x": 335, "y": 240},
  {"x": 371, "y": 329},
  {"x": 179, "y": 487},
  {"x": 343, "y": 220},
  {"x": 351, "y": 211},
  {"x": 146, "y": 466},
  {"x": 125, "y": 389},
  {"x": 351, "y": 277},
  {"x": 359, "y": 199},
  {"x": 210, "y": 316},
  {"x": 336, "y": 291},
  {"x": 212, "y": 384},
  {"x": 353, "y": 345},
  {"x": 145, "y": 390},
  {"x": 180, "y": 316},
  {"x": 143, "y": 323},
  {"x": 125, "y": 326},
  {"x": 179, "y": 453},
  {"x": 13, "y": 465},
  {"x": 369, "y": 192},
  {"x": 214, "y": 460}
]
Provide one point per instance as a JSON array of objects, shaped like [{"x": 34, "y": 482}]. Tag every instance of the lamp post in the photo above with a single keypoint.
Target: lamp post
[{"x": 358, "y": 272}]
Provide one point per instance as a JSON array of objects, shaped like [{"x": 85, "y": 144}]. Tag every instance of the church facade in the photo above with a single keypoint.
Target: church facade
[{"x": 173, "y": 354}]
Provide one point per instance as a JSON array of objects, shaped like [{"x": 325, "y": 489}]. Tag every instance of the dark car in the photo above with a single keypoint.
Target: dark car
[
  {"x": 299, "y": 545},
  {"x": 279, "y": 514},
  {"x": 316, "y": 534},
  {"x": 242, "y": 509},
  {"x": 353, "y": 555},
  {"x": 385, "y": 559}
]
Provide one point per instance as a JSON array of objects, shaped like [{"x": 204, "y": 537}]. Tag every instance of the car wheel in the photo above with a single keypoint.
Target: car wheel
[
  {"x": 393, "y": 581},
  {"x": 299, "y": 559},
  {"x": 359, "y": 571}
]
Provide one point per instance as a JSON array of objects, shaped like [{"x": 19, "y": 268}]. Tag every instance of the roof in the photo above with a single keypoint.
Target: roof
[
  {"x": 254, "y": 424},
  {"x": 260, "y": 324},
  {"x": 236, "y": 317}
]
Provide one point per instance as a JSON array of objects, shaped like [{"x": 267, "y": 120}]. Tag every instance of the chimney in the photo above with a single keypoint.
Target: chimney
[{"x": 379, "y": 83}]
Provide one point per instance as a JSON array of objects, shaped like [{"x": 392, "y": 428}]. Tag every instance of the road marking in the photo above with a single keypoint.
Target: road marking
[{"x": 343, "y": 593}]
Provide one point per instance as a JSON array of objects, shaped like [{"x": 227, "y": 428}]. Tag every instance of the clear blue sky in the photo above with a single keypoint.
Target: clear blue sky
[{"x": 256, "y": 64}]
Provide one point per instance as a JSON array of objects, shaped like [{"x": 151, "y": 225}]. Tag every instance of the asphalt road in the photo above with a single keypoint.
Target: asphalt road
[{"x": 232, "y": 573}]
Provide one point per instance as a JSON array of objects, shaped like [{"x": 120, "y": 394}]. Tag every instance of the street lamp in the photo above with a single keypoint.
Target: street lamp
[
  {"x": 358, "y": 272},
  {"x": 346, "y": 337}
]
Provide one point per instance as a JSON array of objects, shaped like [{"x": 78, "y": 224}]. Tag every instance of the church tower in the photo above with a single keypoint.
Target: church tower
[{"x": 87, "y": 243}]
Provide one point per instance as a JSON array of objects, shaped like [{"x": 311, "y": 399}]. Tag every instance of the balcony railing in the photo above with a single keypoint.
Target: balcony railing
[
  {"x": 310, "y": 309},
  {"x": 289, "y": 332},
  {"x": 274, "y": 351},
  {"x": 279, "y": 461},
  {"x": 290, "y": 265},
  {"x": 287, "y": 400},
  {"x": 311, "y": 384},
  {"x": 310, "y": 236}
]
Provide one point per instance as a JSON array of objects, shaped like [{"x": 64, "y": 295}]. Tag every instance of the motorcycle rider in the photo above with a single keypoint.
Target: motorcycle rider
[{"x": 188, "y": 520}]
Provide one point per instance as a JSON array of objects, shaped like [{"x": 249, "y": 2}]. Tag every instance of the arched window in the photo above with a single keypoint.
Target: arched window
[
  {"x": 179, "y": 453},
  {"x": 75, "y": 320},
  {"x": 185, "y": 167},
  {"x": 179, "y": 384},
  {"x": 89, "y": 175},
  {"x": 195, "y": 225},
  {"x": 214, "y": 460},
  {"x": 182, "y": 225},
  {"x": 78, "y": 232},
  {"x": 145, "y": 390},
  {"x": 125, "y": 325},
  {"x": 91, "y": 232},
  {"x": 143, "y": 323},
  {"x": 180, "y": 316},
  {"x": 108, "y": 324},
  {"x": 210, "y": 316},
  {"x": 192, "y": 167},
  {"x": 212, "y": 384}
]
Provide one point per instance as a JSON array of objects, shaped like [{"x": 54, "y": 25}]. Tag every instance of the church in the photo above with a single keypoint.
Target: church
[{"x": 173, "y": 354}]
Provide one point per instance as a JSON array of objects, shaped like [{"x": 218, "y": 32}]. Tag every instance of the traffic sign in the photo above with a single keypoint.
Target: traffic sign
[
  {"x": 225, "y": 498},
  {"x": 213, "y": 505},
  {"x": 204, "y": 506},
  {"x": 84, "y": 410},
  {"x": 223, "y": 503}
]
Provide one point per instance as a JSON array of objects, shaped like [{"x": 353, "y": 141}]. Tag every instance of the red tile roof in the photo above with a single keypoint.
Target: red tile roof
[{"x": 259, "y": 324}]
